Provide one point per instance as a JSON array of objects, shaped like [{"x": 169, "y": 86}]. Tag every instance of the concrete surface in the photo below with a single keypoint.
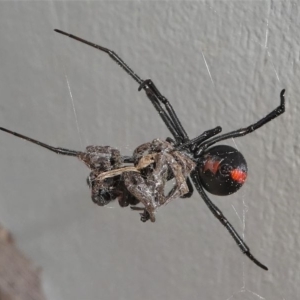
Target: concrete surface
[{"x": 219, "y": 63}]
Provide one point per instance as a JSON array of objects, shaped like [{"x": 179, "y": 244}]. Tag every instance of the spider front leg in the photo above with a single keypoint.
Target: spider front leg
[{"x": 168, "y": 116}]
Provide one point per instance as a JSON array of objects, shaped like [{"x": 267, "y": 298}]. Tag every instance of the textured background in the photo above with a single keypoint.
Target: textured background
[{"x": 88, "y": 252}]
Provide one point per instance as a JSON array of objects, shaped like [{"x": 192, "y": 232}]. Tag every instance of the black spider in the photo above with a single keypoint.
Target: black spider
[{"x": 221, "y": 169}]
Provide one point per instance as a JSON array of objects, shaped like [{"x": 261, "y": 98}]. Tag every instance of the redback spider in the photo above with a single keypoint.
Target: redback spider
[{"x": 141, "y": 178}]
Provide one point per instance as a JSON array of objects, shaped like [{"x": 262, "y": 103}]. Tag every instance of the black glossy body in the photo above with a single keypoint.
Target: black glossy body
[{"x": 222, "y": 170}]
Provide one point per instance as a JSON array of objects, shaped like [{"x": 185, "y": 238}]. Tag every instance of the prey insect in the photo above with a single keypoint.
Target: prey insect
[{"x": 141, "y": 178}]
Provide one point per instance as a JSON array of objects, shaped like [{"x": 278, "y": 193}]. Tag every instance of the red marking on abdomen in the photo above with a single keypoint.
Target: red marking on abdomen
[
  {"x": 212, "y": 165},
  {"x": 238, "y": 175}
]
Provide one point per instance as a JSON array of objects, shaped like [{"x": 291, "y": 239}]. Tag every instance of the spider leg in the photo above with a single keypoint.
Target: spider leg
[
  {"x": 171, "y": 121},
  {"x": 164, "y": 115},
  {"x": 243, "y": 131},
  {"x": 219, "y": 215},
  {"x": 193, "y": 144},
  {"x": 175, "y": 120},
  {"x": 57, "y": 150},
  {"x": 111, "y": 53}
]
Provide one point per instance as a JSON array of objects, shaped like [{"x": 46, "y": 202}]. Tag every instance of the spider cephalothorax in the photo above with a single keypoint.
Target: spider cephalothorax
[{"x": 142, "y": 177}]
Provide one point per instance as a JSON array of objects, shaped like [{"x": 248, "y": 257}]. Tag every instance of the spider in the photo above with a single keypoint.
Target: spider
[{"x": 141, "y": 178}]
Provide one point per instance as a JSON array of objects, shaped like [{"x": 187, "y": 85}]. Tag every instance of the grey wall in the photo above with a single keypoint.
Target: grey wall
[{"x": 88, "y": 252}]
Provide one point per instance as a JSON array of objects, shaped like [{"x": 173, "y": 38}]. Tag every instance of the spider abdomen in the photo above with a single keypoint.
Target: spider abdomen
[{"x": 223, "y": 170}]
